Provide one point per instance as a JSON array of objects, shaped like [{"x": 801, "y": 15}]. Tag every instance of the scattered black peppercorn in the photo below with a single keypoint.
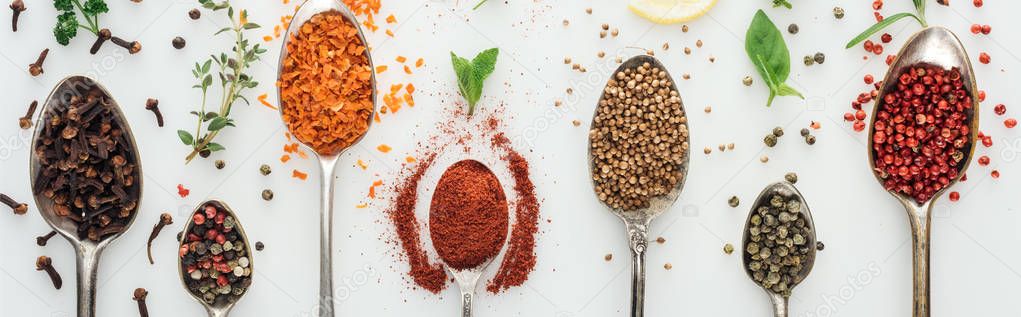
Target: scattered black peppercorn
[
  {"x": 819, "y": 245},
  {"x": 267, "y": 194},
  {"x": 734, "y": 201},
  {"x": 219, "y": 164},
  {"x": 793, "y": 28},
  {"x": 178, "y": 42},
  {"x": 810, "y": 139},
  {"x": 819, "y": 58},
  {"x": 805, "y": 132},
  {"x": 194, "y": 14},
  {"x": 259, "y": 246},
  {"x": 778, "y": 131}
]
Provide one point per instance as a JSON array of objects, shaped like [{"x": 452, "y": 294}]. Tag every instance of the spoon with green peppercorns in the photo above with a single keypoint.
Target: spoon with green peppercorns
[
  {"x": 779, "y": 243},
  {"x": 936, "y": 47},
  {"x": 214, "y": 260},
  {"x": 638, "y": 154}
]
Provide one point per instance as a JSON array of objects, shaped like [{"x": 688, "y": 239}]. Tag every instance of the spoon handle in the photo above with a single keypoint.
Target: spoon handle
[
  {"x": 88, "y": 266},
  {"x": 920, "y": 235},
  {"x": 467, "y": 301},
  {"x": 326, "y": 302},
  {"x": 638, "y": 233},
  {"x": 781, "y": 304}
]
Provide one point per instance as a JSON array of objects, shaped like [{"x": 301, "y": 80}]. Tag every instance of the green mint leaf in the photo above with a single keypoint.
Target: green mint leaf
[
  {"x": 765, "y": 46},
  {"x": 879, "y": 26},
  {"x": 485, "y": 63},
  {"x": 465, "y": 78},
  {"x": 186, "y": 137}
]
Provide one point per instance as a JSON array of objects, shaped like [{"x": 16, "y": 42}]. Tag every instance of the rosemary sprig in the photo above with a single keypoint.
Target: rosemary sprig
[{"x": 233, "y": 81}]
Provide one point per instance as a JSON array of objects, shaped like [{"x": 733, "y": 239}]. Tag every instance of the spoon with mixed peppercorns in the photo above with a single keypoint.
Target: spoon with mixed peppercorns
[
  {"x": 924, "y": 128},
  {"x": 779, "y": 243},
  {"x": 86, "y": 174},
  {"x": 638, "y": 154},
  {"x": 214, "y": 259}
]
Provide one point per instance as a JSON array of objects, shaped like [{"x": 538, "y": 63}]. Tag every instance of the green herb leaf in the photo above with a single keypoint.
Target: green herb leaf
[
  {"x": 784, "y": 3},
  {"x": 485, "y": 62},
  {"x": 249, "y": 26},
  {"x": 67, "y": 27},
  {"x": 64, "y": 5},
  {"x": 471, "y": 75},
  {"x": 186, "y": 137},
  {"x": 94, "y": 7},
  {"x": 920, "y": 7},
  {"x": 766, "y": 48},
  {"x": 217, "y": 124},
  {"x": 879, "y": 26},
  {"x": 213, "y": 147},
  {"x": 479, "y": 5}
]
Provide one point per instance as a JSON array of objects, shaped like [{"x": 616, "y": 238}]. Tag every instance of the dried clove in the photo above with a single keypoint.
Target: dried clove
[
  {"x": 44, "y": 263},
  {"x": 132, "y": 47},
  {"x": 41, "y": 240},
  {"x": 26, "y": 121},
  {"x": 139, "y": 296},
  {"x": 18, "y": 208},
  {"x": 37, "y": 68},
  {"x": 101, "y": 37},
  {"x": 165, "y": 219},
  {"x": 153, "y": 105},
  {"x": 18, "y": 6}
]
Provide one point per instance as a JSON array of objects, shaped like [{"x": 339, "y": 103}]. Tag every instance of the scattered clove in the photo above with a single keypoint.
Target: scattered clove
[
  {"x": 153, "y": 105},
  {"x": 139, "y": 296},
  {"x": 41, "y": 240},
  {"x": 17, "y": 6},
  {"x": 44, "y": 263},
  {"x": 18, "y": 208},
  {"x": 101, "y": 37},
  {"x": 37, "y": 68},
  {"x": 132, "y": 47},
  {"x": 26, "y": 121},
  {"x": 165, "y": 219}
]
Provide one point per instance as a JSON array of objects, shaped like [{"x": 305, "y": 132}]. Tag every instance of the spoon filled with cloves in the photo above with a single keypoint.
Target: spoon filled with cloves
[
  {"x": 779, "y": 243},
  {"x": 215, "y": 259},
  {"x": 923, "y": 134},
  {"x": 86, "y": 174},
  {"x": 638, "y": 154}
]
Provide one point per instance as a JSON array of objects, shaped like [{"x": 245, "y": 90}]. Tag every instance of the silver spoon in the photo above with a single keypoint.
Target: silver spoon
[
  {"x": 936, "y": 46},
  {"x": 637, "y": 222},
  {"x": 786, "y": 190},
  {"x": 468, "y": 279},
  {"x": 327, "y": 161},
  {"x": 219, "y": 309},
  {"x": 87, "y": 251}
]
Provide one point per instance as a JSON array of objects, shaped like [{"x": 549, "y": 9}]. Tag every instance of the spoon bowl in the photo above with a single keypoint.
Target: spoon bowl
[
  {"x": 637, "y": 221},
  {"x": 222, "y": 308},
  {"x": 88, "y": 251},
  {"x": 327, "y": 161},
  {"x": 787, "y": 190},
  {"x": 940, "y": 47}
]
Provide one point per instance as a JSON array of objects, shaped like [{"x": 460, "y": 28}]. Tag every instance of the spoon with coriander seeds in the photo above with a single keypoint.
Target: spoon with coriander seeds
[
  {"x": 327, "y": 102},
  {"x": 86, "y": 174},
  {"x": 779, "y": 243},
  {"x": 215, "y": 259},
  {"x": 923, "y": 134},
  {"x": 638, "y": 154}
]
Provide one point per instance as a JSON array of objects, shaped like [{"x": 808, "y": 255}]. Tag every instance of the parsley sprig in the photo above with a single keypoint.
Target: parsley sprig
[
  {"x": 233, "y": 82},
  {"x": 67, "y": 22},
  {"x": 471, "y": 75}
]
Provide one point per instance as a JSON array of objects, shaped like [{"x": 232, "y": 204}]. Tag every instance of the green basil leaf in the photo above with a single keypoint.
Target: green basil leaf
[
  {"x": 186, "y": 137},
  {"x": 765, "y": 46},
  {"x": 879, "y": 26}
]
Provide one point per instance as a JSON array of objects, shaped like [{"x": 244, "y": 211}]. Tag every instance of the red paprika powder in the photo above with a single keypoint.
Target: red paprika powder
[{"x": 468, "y": 215}]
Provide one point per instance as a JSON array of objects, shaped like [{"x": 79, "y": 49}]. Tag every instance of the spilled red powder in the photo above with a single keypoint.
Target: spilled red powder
[{"x": 519, "y": 258}]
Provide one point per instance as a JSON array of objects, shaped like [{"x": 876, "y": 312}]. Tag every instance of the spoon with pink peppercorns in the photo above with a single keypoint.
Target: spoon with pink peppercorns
[{"x": 924, "y": 128}]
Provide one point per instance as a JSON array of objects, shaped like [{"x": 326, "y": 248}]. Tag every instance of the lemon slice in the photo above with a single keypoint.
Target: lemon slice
[{"x": 670, "y": 11}]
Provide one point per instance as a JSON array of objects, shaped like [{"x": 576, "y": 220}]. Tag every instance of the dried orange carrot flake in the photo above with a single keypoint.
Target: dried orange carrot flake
[
  {"x": 267, "y": 38},
  {"x": 407, "y": 69},
  {"x": 362, "y": 164},
  {"x": 389, "y": 32},
  {"x": 299, "y": 175},
  {"x": 391, "y": 19},
  {"x": 362, "y": 205},
  {"x": 302, "y": 154},
  {"x": 409, "y": 159},
  {"x": 401, "y": 59},
  {"x": 285, "y": 158},
  {"x": 409, "y": 100},
  {"x": 380, "y": 69},
  {"x": 384, "y": 148},
  {"x": 410, "y": 88},
  {"x": 262, "y": 99},
  {"x": 420, "y": 62}
]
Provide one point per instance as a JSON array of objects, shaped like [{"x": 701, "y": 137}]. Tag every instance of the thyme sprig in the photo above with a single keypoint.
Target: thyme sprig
[{"x": 233, "y": 82}]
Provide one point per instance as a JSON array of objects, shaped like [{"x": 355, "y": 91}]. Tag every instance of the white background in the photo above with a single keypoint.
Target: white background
[{"x": 864, "y": 271}]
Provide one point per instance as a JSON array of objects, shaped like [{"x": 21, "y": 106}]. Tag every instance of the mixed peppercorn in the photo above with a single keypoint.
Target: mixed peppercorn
[{"x": 215, "y": 260}]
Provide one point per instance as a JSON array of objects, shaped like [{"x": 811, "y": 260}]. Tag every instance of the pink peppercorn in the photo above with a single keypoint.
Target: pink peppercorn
[
  {"x": 868, "y": 45},
  {"x": 1010, "y": 123},
  {"x": 986, "y": 29},
  {"x": 886, "y": 38},
  {"x": 889, "y": 59},
  {"x": 983, "y": 58},
  {"x": 848, "y": 117},
  {"x": 995, "y": 174},
  {"x": 977, "y": 3},
  {"x": 955, "y": 196},
  {"x": 1000, "y": 109},
  {"x": 869, "y": 79},
  {"x": 987, "y": 141},
  {"x": 983, "y": 160},
  {"x": 877, "y": 49},
  {"x": 198, "y": 219},
  {"x": 976, "y": 29}
]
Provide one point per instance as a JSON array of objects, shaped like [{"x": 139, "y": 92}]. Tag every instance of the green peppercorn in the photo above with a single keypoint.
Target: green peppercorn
[
  {"x": 728, "y": 248},
  {"x": 219, "y": 164},
  {"x": 805, "y": 132},
  {"x": 734, "y": 201},
  {"x": 820, "y": 58},
  {"x": 838, "y": 12},
  {"x": 809, "y": 61},
  {"x": 747, "y": 80},
  {"x": 793, "y": 28},
  {"x": 778, "y": 131},
  {"x": 810, "y": 139},
  {"x": 265, "y": 170},
  {"x": 267, "y": 194},
  {"x": 791, "y": 177},
  {"x": 770, "y": 140}
]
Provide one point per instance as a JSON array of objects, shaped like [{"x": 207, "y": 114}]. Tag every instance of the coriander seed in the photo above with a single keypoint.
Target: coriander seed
[
  {"x": 608, "y": 257},
  {"x": 722, "y": 147},
  {"x": 567, "y": 60},
  {"x": 615, "y": 32},
  {"x": 601, "y": 54},
  {"x": 267, "y": 194},
  {"x": 708, "y": 109},
  {"x": 707, "y": 150},
  {"x": 684, "y": 28},
  {"x": 602, "y": 34},
  {"x": 698, "y": 43},
  {"x": 764, "y": 159},
  {"x": 747, "y": 80},
  {"x": 687, "y": 51},
  {"x": 606, "y": 27},
  {"x": 730, "y": 146}
]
